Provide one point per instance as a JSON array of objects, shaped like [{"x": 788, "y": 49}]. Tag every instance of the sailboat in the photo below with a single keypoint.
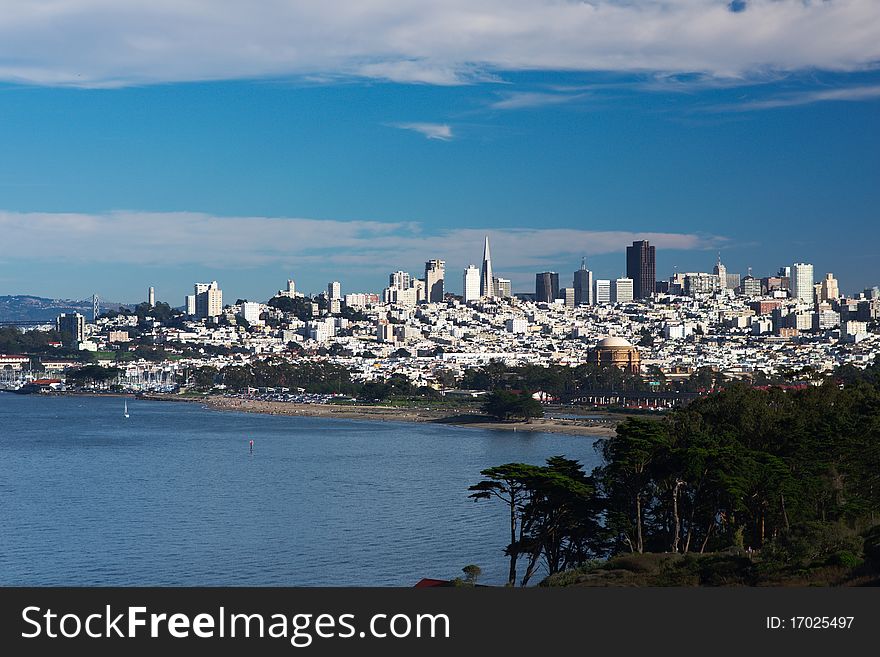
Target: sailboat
[{"x": 125, "y": 413}]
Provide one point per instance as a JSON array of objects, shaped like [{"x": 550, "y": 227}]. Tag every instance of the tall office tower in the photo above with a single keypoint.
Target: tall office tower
[
  {"x": 400, "y": 279},
  {"x": 208, "y": 300},
  {"x": 72, "y": 327},
  {"x": 151, "y": 297},
  {"x": 751, "y": 286},
  {"x": 471, "y": 284},
  {"x": 830, "y": 290},
  {"x": 784, "y": 272},
  {"x": 334, "y": 290},
  {"x": 546, "y": 286},
  {"x": 503, "y": 287},
  {"x": 721, "y": 272},
  {"x": 641, "y": 267},
  {"x": 802, "y": 281},
  {"x": 622, "y": 290},
  {"x": 435, "y": 271},
  {"x": 567, "y": 296},
  {"x": 602, "y": 291},
  {"x": 583, "y": 285},
  {"x": 487, "y": 282}
]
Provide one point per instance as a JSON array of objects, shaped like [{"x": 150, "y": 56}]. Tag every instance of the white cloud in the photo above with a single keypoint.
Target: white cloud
[
  {"x": 124, "y": 42},
  {"x": 194, "y": 239},
  {"x": 431, "y": 130},
  {"x": 531, "y": 99},
  {"x": 851, "y": 94}
]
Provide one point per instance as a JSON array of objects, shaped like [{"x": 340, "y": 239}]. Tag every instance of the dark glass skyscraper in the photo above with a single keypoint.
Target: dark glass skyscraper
[
  {"x": 641, "y": 267},
  {"x": 583, "y": 285},
  {"x": 546, "y": 286}
]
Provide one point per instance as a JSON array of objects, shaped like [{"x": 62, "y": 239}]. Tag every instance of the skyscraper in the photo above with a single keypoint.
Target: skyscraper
[
  {"x": 546, "y": 286},
  {"x": 72, "y": 327},
  {"x": 721, "y": 272},
  {"x": 641, "y": 267},
  {"x": 487, "y": 282},
  {"x": 583, "y": 285},
  {"x": 400, "y": 279},
  {"x": 802, "y": 281},
  {"x": 334, "y": 290},
  {"x": 622, "y": 290},
  {"x": 208, "y": 300},
  {"x": 830, "y": 289},
  {"x": 435, "y": 271},
  {"x": 471, "y": 284},
  {"x": 503, "y": 287},
  {"x": 602, "y": 291}
]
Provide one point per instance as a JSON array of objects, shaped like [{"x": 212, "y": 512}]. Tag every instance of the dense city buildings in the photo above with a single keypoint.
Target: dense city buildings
[
  {"x": 641, "y": 267},
  {"x": 759, "y": 328}
]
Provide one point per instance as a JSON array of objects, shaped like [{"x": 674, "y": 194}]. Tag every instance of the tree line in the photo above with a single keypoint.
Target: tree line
[{"x": 793, "y": 475}]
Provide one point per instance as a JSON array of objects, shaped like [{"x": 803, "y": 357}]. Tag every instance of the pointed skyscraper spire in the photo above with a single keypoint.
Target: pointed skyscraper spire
[{"x": 487, "y": 283}]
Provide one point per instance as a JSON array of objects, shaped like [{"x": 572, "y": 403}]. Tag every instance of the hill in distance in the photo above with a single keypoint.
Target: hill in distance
[{"x": 27, "y": 308}]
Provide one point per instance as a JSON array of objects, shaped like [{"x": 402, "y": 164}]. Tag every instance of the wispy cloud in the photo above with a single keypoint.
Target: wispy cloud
[
  {"x": 145, "y": 239},
  {"x": 105, "y": 43},
  {"x": 533, "y": 99},
  {"x": 440, "y": 131},
  {"x": 846, "y": 94}
]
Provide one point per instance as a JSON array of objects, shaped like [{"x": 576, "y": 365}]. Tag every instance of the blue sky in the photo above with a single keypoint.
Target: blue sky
[{"x": 386, "y": 133}]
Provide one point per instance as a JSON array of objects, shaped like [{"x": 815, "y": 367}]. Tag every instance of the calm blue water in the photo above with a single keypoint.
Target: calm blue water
[{"x": 171, "y": 496}]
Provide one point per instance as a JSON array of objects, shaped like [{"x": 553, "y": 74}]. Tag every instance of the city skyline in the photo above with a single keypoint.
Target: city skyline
[
  {"x": 403, "y": 278},
  {"x": 135, "y": 157}
]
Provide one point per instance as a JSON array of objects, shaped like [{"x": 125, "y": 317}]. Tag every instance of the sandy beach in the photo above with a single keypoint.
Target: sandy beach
[{"x": 574, "y": 427}]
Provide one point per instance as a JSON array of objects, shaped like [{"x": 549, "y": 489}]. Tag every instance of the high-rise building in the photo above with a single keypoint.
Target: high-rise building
[
  {"x": 503, "y": 287},
  {"x": 802, "y": 281},
  {"x": 622, "y": 290},
  {"x": 191, "y": 305},
  {"x": 400, "y": 279},
  {"x": 487, "y": 281},
  {"x": 641, "y": 267},
  {"x": 151, "y": 297},
  {"x": 250, "y": 312},
  {"x": 751, "y": 286},
  {"x": 546, "y": 286},
  {"x": 208, "y": 300},
  {"x": 602, "y": 291},
  {"x": 721, "y": 272},
  {"x": 471, "y": 284},
  {"x": 72, "y": 327},
  {"x": 567, "y": 296},
  {"x": 830, "y": 289},
  {"x": 583, "y": 285},
  {"x": 334, "y": 290},
  {"x": 435, "y": 271}
]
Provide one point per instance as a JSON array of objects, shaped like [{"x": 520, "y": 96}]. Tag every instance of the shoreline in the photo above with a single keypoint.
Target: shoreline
[{"x": 585, "y": 427}]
